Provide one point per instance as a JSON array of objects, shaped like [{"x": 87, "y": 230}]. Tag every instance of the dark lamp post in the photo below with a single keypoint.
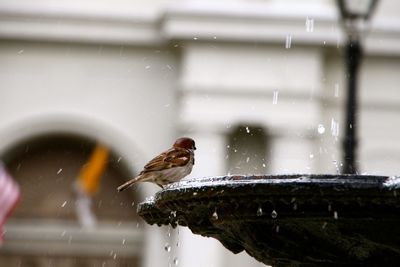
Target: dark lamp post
[
  {"x": 353, "y": 12},
  {"x": 356, "y": 9}
]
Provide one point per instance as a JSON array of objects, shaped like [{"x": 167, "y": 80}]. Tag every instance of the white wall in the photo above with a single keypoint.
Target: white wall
[{"x": 136, "y": 74}]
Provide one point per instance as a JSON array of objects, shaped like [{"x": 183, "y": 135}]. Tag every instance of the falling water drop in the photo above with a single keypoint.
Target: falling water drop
[
  {"x": 335, "y": 215},
  {"x": 215, "y": 215},
  {"x": 288, "y": 42},
  {"x": 176, "y": 261},
  {"x": 167, "y": 247},
  {"x": 309, "y": 24},
  {"x": 247, "y": 129},
  {"x": 334, "y": 128},
  {"x": 63, "y": 204},
  {"x": 321, "y": 129},
  {"x": 59, "y": 171},
  {"x": 277, "y": 228},
  {"x": 336, "y": 90},
  {"x": 274, "y": 214},
  {"x": 275, "y": 98},
  {"x": 259, "y": 211}
]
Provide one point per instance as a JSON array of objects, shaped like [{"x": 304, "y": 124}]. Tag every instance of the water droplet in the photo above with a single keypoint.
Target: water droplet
[
  {"x": 274, "y": 214},
  {"x": 147, "y": 67},
  {"x": 329, "y": 207},
  {"x": 336, "y": 90},
  {"x": 324, "y": 225},
  {"x": 288, "y": 43},
  {"x": 167, "y": 247},
  {"x": 311, "y": 156},
  {"x": 133, "y": 203},
  {"x": 247, "y": 129},
  {"x": 295, "y": 206},
  {"x": 277, "y": 228},
  {"x": 176, "y": 261},
  {"x": 59, "y": 171},
  {"x": 215, "y": 37},
  {"x": 264, "y": 165},
  {"x": 259, "y": 211},
  {"x": 215, "y": 215},
  {"x": 321, "y": 129},
  {"x": 334, "y": 127},
  {"x": 247, "y": 159},
  {"x": 309, "y": 24},
  {"x": 20, "y": 51},
  {"x": 63, "y": 204},
  {"x": 275, "y": 98},
  {"x": 194, "y": 193},
  {"x": 335, "y": 215},
  {"x": 115, "y": 256},
  {"x": 123, "y": 241},
  {"x": 195, "y": 38}
]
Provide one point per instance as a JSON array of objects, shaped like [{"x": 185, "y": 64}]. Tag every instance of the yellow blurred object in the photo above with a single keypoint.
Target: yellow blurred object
[{"x": 89, "y": 177}]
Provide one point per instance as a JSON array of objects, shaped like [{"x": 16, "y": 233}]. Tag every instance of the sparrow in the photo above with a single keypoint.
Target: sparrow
[{"x": 168, "y": 167}]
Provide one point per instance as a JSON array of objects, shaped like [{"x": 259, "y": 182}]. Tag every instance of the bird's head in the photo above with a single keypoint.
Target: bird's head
[{"x": 185, "y": 142}]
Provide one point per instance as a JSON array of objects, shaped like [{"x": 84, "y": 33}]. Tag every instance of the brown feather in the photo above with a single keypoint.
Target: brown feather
[{"x": 174, "y": 157}]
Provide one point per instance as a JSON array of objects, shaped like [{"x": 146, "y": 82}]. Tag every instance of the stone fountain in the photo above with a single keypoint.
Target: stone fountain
[{"x": 289, "y": 220}]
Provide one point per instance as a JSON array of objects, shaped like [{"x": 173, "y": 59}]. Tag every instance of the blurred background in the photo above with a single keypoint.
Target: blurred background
[{"x": 259, "y": 84}]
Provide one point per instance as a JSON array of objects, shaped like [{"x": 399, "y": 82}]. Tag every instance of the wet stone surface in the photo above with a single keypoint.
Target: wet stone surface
[{"x": 289, "y": 220}]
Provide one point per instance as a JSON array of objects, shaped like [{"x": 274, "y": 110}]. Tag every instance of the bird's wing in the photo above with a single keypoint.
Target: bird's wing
[{"x": 174, "y": 157}]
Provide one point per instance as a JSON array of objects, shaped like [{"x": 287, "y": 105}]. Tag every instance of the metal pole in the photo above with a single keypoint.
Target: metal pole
[{"x": 352, "y": 58}]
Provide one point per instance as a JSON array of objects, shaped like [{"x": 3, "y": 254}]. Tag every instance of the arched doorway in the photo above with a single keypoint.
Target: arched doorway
[{"x": 44, "y": 228}]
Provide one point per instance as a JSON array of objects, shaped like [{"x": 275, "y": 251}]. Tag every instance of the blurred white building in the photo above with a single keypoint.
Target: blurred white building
[{"x": 258, "y": 84}]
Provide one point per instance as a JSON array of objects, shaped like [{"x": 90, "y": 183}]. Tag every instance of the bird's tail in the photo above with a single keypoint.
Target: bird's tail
[{"x": 128, "y": 183}]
